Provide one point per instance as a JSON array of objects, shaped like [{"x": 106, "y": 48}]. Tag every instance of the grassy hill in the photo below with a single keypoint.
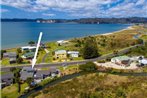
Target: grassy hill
[{"x": 97, "y": 85}]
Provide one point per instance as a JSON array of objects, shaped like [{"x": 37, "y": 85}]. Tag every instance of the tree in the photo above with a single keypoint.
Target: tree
[
  {"x": 90, "y": 49},
  {"x": 16, "y": 72},
  {"x": 90, "y": 66},
  {"x": 115, "y": 52},
  {"x": 29, "y": 81},
  {"x": 2, "y": 52},
  {"x": 19, "y": 60},
  {"x": 31, "y": 43},
  {"x": 19, "y": 50}
]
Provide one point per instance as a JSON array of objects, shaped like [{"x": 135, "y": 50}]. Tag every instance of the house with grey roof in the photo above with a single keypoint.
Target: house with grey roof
[
  {"x": 73, "y": 53},
  {"x": 7, "y": 79},
  {"x": 26, "y": 72},
  {"x": 11, "y": 55},
  {"x": 60, "y": 54}
]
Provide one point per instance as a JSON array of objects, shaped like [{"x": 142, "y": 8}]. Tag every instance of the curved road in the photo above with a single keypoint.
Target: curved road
[{"x": 73, "y": 62}]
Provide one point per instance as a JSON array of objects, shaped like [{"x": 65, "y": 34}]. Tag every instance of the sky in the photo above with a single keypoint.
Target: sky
[{"x": 72, "y": 9}]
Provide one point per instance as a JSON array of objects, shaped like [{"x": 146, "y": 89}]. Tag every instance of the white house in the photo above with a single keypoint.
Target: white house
[
  {"x": 61, "y": 42},
  {"x": 73, "y": 53},
  {"x": 60, "y": 54},
  {"x": 121, "y": 60},
  {"x": 143, "y": 62},
  {"x": 28, "y": 48}
]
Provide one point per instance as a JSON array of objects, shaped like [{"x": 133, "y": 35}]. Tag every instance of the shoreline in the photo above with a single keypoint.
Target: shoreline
[
  {"x": 128, "y": 28},
  {"x": 105, "y": 34}
]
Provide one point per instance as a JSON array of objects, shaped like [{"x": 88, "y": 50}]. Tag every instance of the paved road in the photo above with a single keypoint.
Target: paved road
[{"x": 73, "y": 62}]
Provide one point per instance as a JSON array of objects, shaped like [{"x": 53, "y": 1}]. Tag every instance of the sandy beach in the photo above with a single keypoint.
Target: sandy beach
[{"x": 128, "y": 28}]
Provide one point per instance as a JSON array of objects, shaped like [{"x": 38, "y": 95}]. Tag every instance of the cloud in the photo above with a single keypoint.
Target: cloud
[
  {"x": 83, "y": 8},
  {"x": 48, "y": 14}
]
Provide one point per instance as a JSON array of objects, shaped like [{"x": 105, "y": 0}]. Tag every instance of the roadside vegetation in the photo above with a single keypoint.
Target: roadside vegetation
[{"x": 142, "y": 50}]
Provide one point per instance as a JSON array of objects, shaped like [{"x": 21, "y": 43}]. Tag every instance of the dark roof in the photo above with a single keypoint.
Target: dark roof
[
  {"x": 25, "y": 75},
  {"x": 53, "y": 69},
  {"x": 43, "y": 72},
  {"x": 7, "y": 76},
  {"x": 12, "y": 54},
  {"x": 27, "y": 69},
  {"x": 40, "y": 73}
]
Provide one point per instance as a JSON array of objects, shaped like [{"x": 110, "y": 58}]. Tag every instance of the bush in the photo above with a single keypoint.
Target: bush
[
  {"x": 101, "y": 61},
  {"x": 2, "y": 52},
  {"x": 19, "y": 50},
  {"x": 19, "y": 60},
  {"x": 31, "y": 43},
  {"x": 90, "y": 66}
]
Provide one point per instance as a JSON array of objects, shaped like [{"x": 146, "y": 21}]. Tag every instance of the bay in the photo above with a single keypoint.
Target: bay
[{"x": 15, "y": 34}]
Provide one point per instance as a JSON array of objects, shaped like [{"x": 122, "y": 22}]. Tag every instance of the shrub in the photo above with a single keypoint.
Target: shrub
[
  {"x": 101, "y": 61},
  {"x": 90, "y": 66}
]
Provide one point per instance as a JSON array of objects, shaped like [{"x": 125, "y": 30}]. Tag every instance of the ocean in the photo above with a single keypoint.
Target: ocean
[{"x": 15, "y": 34}]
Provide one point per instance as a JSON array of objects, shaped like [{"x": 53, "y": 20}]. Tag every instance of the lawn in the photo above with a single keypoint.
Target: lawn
[{"x": 11, "y": 91}]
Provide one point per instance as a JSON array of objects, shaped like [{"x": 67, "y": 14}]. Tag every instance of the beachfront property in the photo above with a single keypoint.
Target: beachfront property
[
  {"x": 26, "y": 72},
  {"x": 28, "y": 55},
  {"x": 73, "y": 53},
  {"x": 31, "y": 48},
  {"x": 61, "y": 42},
  {"x": 121, "y": 60},
  {"x": 11, "y": 55},
  {"x": 60, "y": 54}
]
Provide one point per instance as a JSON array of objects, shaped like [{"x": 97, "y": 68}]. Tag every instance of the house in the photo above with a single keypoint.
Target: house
[
  {"x": 54, "y": 71},
  {"x": 143, "y": 62},
  {"x": 121, "y": 60},
  {"x": 31, "y": 48},
  {"x": 60, "y": 54},
  {"x": 73, "y": 53},
  {"x": 7, "y": 79},
  {"x": 42, "y": 74},
  {"x": 61, "y": 42},
  {"x": 42, "y": 45},
  {"x": 28, "y": 55},
  {"x": 6, "y": 55},
  {"x": 11, "y": 55},
  {"x": 27, "y": 72},
  {"x": 12, "y": 60}
]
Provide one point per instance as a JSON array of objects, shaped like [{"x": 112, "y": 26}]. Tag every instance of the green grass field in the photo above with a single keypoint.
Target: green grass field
[{"x": 11, "y": 91}]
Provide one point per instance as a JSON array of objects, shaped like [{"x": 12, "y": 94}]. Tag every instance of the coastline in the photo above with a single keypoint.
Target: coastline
[
  {"x": 128, "y": 28},
  {"x": 105, "y": 34}
]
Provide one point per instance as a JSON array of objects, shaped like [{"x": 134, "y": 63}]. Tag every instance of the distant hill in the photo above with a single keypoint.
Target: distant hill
[{"x": 83, "y": 20}]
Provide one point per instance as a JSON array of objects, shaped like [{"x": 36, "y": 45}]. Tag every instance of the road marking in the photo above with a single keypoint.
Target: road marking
[{"x": 38, "y": 44}]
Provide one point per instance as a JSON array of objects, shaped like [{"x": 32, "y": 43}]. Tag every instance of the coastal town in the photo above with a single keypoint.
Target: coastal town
[
  {"x": 64, "y": 57},
  {"x": 73, "y": 49}
]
